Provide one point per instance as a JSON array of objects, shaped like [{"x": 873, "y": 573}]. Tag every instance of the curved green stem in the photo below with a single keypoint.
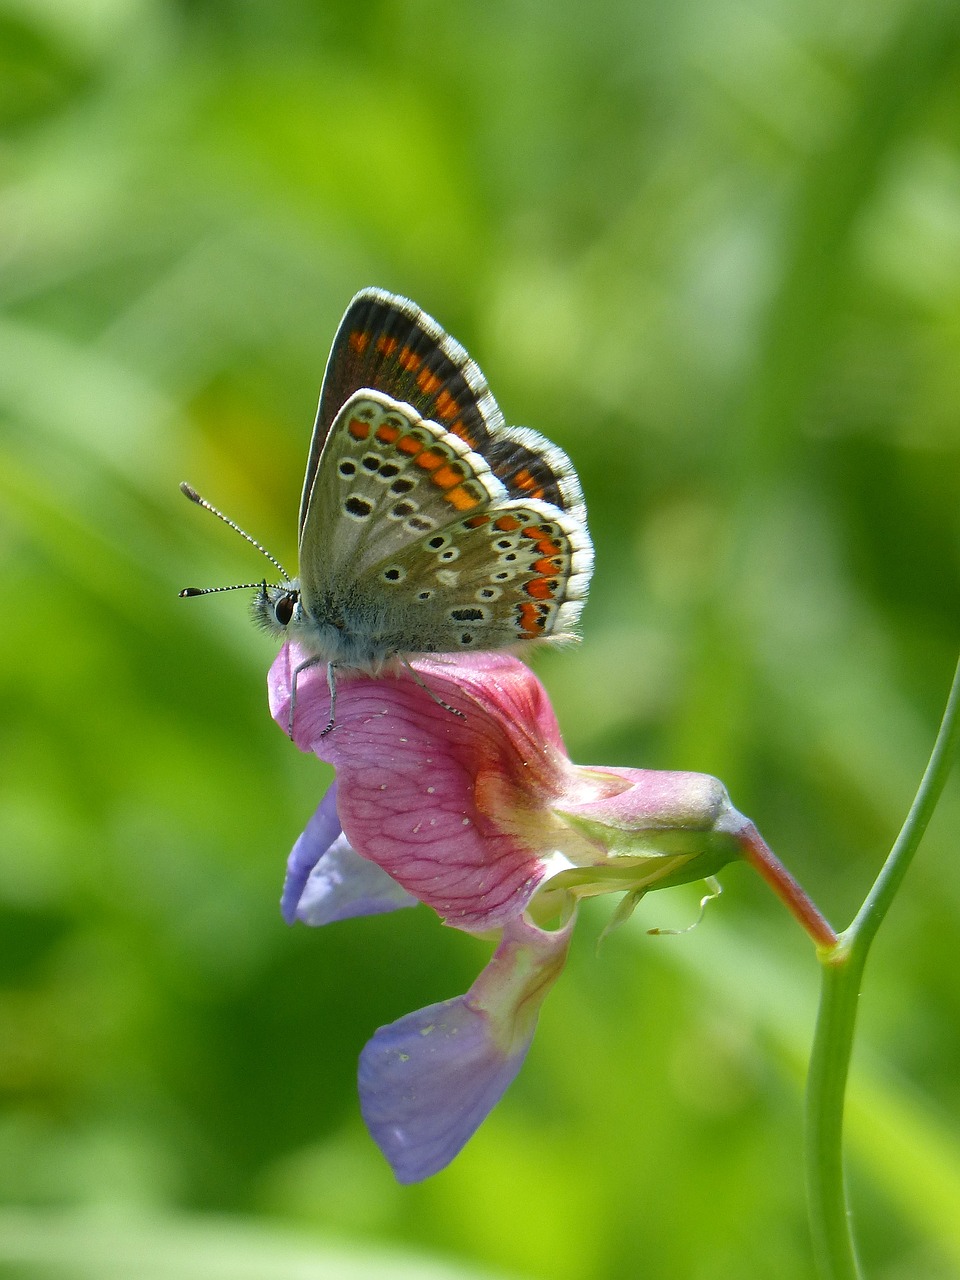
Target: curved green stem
[
  {"x": 843, "y": 964},
  {"x": 870, "y": 916}
]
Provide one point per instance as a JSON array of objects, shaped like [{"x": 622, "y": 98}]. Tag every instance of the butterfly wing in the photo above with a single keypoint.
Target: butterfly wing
[
  {"x": 515, "y": 571},
  {"x": 411, "y": 543},
  {"x": 387, "y": 343},
  {"x": 386, "y": 477}
]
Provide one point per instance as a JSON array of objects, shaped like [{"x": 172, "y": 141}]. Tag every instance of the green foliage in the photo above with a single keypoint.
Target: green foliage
[{"x": 713, "y": 250}]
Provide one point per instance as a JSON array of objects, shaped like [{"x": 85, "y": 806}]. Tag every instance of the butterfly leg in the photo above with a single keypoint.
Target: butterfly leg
[
  {"x": 435, "y": 696},
  {"x": 332, "y": 686},
  {"x": 310, "y": 662}
]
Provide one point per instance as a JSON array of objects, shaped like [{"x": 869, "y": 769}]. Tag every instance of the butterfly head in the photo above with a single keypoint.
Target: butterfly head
[
  {"x": 319, "y": 631},
  {"x": 275, "y": 608}
]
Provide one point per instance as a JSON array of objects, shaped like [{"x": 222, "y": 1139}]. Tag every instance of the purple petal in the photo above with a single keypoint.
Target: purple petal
[
  {"x": 430, "y": 1079},
  {"x": 319, "y": 834},
  {"x": 343, "y": 885}
]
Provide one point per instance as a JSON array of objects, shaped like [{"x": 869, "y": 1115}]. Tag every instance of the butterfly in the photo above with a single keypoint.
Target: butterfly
[{"x": 427, "y": 525}]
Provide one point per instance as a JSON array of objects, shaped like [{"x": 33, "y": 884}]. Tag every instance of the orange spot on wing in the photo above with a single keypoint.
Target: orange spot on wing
[
  {"x": 522, "y": 479},
  {"x": 540, "y": 588},
  {"x": 409, "y": 360},
  {"x": 461, "y": 499},
  {"x": 476, "y": 521},
  {"x": 430, "y": 459},
  {"x": 446, "y": 477},
  {"x": 409, "y": 445},
  {"x": 542, "y": 540},
  {"x": 358, "y": 428},
  {"x": 532, "y": 618},
  {"x": 358, "y": 341},
  {"x": 385, "y": 345},
  {"x": 428, "y": 382},
  {"x": 386, "y": 433},
  {"x": 547, "y": 567},
  {"x": 507, "y": 524},
  {"x": 447, "y": 407}
]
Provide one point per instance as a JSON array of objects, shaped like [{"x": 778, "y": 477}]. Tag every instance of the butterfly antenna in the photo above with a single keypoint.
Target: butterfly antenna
[
  {"x": 208, "y": 591},
  {"x": 188, "y": 491}
]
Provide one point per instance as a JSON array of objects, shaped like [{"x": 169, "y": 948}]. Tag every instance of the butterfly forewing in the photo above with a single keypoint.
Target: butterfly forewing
[
  {"x": 386, "y": 479},
  {"x": 387, "y": 343}
]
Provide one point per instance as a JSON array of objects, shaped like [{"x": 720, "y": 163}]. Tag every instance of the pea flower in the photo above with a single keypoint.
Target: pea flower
[{"x": 483, "y": 817}]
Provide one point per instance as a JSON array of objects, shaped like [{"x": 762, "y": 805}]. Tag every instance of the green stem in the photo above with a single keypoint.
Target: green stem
[
  {"x": 843, "y": 966},
  {"x": 878, "y": 900},
  {"x": 830, "y": 1226}
]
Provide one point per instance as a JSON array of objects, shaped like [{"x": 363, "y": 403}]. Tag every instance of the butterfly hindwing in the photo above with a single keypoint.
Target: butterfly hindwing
[{"x": 514, "y": 571}]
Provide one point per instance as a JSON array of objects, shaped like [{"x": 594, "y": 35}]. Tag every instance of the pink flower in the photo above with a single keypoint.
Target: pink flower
[{"x": 484, "y": 818}]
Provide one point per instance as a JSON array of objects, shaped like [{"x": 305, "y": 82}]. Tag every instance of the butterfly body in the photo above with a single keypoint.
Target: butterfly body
[{"x": 427, "y": 525}]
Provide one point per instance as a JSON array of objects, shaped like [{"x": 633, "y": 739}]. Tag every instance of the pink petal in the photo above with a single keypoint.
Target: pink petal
[
  {"x": 649, "y": 799},
  {"x": 410, "y": 773}
]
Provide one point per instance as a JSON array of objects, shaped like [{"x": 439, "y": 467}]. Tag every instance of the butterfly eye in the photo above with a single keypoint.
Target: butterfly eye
[{"x": 283, "y": 609}]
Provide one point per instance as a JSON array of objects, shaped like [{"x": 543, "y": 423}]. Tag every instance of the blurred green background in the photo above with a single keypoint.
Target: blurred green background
[{"x": 712, "y": 248}]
